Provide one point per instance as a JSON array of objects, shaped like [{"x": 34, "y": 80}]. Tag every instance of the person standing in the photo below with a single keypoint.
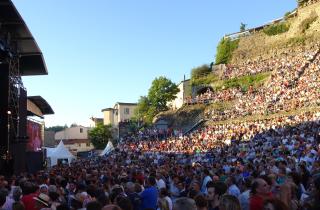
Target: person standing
[
  {"x": 260, "y": 191},
  {"x": 206, "y": 179},
  {"x": 149, "y": 196}
]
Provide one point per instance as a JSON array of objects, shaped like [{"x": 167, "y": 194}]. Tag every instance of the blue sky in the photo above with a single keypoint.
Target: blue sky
[{"x": 99, "y": 52}]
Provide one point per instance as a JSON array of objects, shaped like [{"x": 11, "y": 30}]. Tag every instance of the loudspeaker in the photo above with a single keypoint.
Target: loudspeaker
[
  {"x": 34, "y": 161},
  {"x": 19, "y": 156}
]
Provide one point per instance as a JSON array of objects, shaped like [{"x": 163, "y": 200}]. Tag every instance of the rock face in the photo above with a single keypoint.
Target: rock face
[{"x": 259, "y": 44}]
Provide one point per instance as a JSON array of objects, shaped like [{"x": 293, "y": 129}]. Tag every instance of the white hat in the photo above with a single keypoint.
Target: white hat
[
  {"x": 42, "y": 198},
  {"x": 44, "y": 186}
]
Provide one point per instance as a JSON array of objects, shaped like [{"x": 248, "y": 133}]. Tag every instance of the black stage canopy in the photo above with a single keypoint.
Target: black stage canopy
[
  {"x": 31, "y": 58},
  {"x": 42, "y": 104}
]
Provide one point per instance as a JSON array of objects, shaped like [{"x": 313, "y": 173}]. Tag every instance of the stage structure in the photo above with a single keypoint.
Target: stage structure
[{"x": 19, "y": 56}]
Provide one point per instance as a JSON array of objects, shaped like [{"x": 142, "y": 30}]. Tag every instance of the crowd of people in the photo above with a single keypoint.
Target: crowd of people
[
  {"x": 261, "y": 64},
  {"x": 294, "y": 84},
  {"x": 210, "y": 96},
  {"x": 271, "y": 163}
]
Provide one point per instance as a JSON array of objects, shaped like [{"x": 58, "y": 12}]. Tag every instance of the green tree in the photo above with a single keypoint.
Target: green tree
[
  {"x": 225, "y": 49},
  {"x": 56, "y": 128},
  {"x": 73, "y": 125},
  {"x": 142, "y": 108},
  {"x": 242, "y": 27},
  {"x": 100, "y": 135},
  {"x": 162, "y": 90}
]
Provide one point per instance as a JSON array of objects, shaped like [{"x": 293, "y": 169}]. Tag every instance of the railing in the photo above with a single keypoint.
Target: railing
[
  {"x": 248, "y": 32},
  {"x": 195, "y": 122}
]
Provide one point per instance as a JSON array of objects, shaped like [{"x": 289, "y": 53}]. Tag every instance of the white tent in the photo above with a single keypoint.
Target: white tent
[
  {"x": 108, "y": 149},
  {"x": 49, "y": 150},
  {"x": 60, "y": 152}
]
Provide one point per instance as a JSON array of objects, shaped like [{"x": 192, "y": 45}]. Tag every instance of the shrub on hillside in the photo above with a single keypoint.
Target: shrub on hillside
[
  {"x": 200, "y": 71},
  {"x": 202, "y": 75},
  {"x": 277, "y": 28},
  {"x": 206, "y": 80},
  {"x": 297, "y": 41},
  {"x": 244, "y": 82},
  {"x": 225, "y": 49},
  {"x": 305, "y": 24}
]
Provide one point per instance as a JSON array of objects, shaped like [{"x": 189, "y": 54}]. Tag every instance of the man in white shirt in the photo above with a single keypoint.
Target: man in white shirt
[
  {"x": 160, "y": 182},
  {"x": 206, "y": 179}
]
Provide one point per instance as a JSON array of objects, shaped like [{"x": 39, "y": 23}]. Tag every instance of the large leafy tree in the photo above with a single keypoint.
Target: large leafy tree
[
  {"x": 100, "y": 135},
  {"x": 142, "y": 108},
  {"x": 162, "y": 90}
]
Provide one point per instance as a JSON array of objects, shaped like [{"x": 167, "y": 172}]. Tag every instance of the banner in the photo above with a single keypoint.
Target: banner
[{"x": 34, "y": 134}]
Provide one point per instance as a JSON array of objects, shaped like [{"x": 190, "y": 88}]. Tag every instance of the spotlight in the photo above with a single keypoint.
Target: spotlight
[{"x": 9, "y": 112}]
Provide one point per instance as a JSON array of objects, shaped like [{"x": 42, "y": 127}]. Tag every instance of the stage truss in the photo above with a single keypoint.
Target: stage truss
[{"x": 10, "y": 56}]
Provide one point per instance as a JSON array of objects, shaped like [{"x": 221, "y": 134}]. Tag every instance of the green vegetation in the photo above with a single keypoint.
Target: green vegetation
[
  {"x": 286, "y": 15},
  {"x": 305, "y": 24},
  {"x": 200, "y": 71},
  {"x": 243, "y": 27},
  {"x": 100, "y": 135},
  {"x": 203, "y": 75},
  {"x": 162, "y": 90},
  {"x": 289, "y": 14},
  {"x": 221, "y": 106},
  {"x": 208, "y": 79},
  {"x": 243, "y": 82},
  {"x": 225, "y": 49},
  {"x": 56, "y": 128},
  {"x": 296, "y": 41},
  {"x": 277, "y": 28}
]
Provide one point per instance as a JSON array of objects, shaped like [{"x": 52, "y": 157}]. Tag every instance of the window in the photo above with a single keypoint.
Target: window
[
  {"x": 126, "y": 110},
  {"x": 88, "y": 144},
  {"x": 81, "y": 130}
]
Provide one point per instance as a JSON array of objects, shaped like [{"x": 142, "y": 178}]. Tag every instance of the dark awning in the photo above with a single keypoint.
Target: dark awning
[
  {"x": 42, "y": 104},
  {"x": 31, "y": 58}
]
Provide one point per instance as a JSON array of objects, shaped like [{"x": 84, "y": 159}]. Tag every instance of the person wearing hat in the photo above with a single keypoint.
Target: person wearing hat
[
  {"x": 43, "y": 189},
  {"x": 42, "y": 202}
]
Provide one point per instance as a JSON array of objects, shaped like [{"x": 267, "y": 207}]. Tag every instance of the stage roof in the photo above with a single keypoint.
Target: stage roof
[
  {"x": 31, "y": 58},
  {"x": 42, "y": 104}
]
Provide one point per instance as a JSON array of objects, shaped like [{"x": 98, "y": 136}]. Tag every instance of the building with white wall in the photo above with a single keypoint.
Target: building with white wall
[
  {"x": 184, "y": 92},
  {"x": 75, "y": 139},
  {"x": 120, "y": 112}
]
